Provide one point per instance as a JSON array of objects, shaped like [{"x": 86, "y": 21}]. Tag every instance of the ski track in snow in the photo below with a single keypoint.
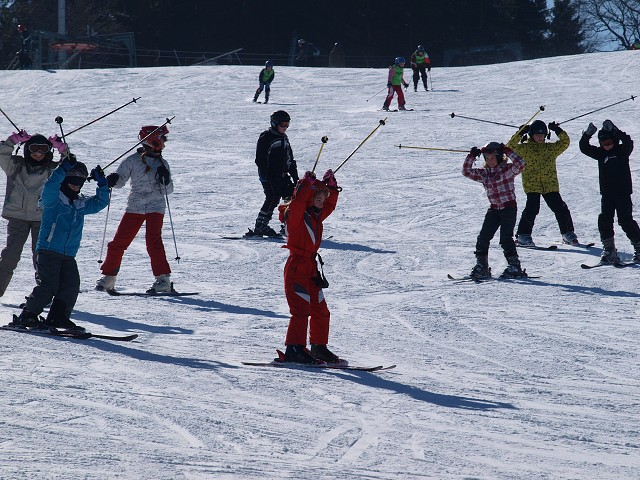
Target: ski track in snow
[{"x": 534, "y": 379}]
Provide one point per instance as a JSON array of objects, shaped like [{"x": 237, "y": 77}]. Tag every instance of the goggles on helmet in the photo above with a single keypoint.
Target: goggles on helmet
[
  {"x": 74, "y": 180},
  {"x": 42, "y": 148}
]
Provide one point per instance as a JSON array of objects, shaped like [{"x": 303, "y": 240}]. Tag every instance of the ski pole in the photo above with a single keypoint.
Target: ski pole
[
  {"x": 67, "y": 152},
  {"x": 104, "y": 232},
  {"x": 375, "y": 95},
  {"x": 430, "y": 79},
  {"x": 454, "y": 115},
  {"x": 11, "y": 121},
  {"x": 175, "y": 244},
  {"x": 433, "y": 148},
  {"x": 598, "y": 109},
  {"x": 103, "y": 116},
  {"x": 151, "y": 133},
  {"x": 324, "y": 140},
  {"x": 380, "y": 123}
]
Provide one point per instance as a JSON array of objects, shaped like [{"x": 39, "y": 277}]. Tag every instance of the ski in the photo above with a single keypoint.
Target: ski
[
  {"x": 616, "y": 265},
  {"x": 119, "y": 293},
  {"x": 304, "y": 366},
  {"x": 536, "y": 247},
  {"x": 579, "y": 245},
  {"x": 71, "y": 334},
  {"x": 468, "y": 278}
]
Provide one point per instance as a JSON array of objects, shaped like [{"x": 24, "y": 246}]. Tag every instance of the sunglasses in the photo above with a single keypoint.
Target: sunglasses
[{"x": 41, "y": 148}]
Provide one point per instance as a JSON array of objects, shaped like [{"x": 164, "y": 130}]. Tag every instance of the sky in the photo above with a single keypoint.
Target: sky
[{"x": 507, "y": 379}]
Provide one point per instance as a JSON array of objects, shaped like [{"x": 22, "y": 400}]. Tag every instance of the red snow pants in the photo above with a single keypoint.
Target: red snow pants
[
  {"x": 127, "y": 231},
  {"x": 306, "y": 303},
  {"x": 397, "y": 89}
]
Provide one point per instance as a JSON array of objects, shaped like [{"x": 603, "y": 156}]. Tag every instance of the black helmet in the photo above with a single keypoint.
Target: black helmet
[
  {"x": 494, "y": 148},
  {"x": 268, "y": 63},
  {"x": 420, "y": 48},
  {"x": 78, "y": 169},
  {"x": 538, "y": 127},
  {"x": 607, "y": 135},
  {"x": 278, "y": 117}
]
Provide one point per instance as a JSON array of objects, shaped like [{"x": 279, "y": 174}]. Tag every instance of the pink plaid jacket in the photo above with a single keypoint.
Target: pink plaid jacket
[{"x": 498, "y": 181}]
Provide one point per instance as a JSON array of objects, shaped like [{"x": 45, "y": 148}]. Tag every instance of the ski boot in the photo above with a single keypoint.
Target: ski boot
[
  {"x": 525, "y": 240},
  {"x": 481, "y": 271},
  {"x": 299, "y": 354},
  {"x": 322, "y": 353},
  {"x": 609, "y": 255},
  {"x": 105, "y": 283},
  {"x": 636, "y": 251},
  {"x": 265, "y": 230},
  {"x": 162, "y": 284},
  {"x": 570, "y": 238},
  {"x": 27, "y": 320},
  {"x": 513, "y": 269}
]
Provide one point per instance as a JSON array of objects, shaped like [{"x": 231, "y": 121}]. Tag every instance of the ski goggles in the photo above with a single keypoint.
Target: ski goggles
[
  {"x": 77, "y": 181},
  {"x": 41, "y": 148},
  {"x": 284, "y": 124},
  {"x": 606, "y": 142}
]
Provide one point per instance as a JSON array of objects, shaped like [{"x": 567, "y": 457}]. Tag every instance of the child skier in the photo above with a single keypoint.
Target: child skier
[
  {"x": 497, "y": 177},
  {"x": 277, "y": 170},
  {"x": 266, "y": 76},
  {"x": 26, "y": 176},
  {"x": 420, "y": 64},
  {"x": 312, "y": 202},
  {"x": 150, "y": 183},
  {"x": 59, "y": 239},
  {"x": 540, "y": 178},
  {"x": 615, "y": 186},
  {"x": 395, "y": 82}
]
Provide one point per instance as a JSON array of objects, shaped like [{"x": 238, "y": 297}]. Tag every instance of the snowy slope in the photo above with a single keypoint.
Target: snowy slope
[{"x": 535, "y": 379}]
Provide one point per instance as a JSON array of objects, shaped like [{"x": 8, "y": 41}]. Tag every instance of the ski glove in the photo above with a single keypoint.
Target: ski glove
[
  {"x": 58, "y": 144},
  {"x": 68, "y": 161},
  {"x": 475, "y": 152},
  {"x": 609, "y": 126},
  {"x": 329, "y": 179},
  {"x": 309, "y": 176},
  {"x": 389, "y": 84},
  {"x": 162, "y": 175},
  {"x": 98, "y": 175},
  {"x": 524, "y": 129},
  {"x": 112, "y": 179},
  {"x": 555, "y": 127},
  {"x": 20, "y": 137},
  {"x": 591, "y": 129}
]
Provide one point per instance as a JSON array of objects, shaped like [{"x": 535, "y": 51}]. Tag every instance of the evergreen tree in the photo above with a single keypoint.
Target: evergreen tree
[{"x": 567, "y": 29}]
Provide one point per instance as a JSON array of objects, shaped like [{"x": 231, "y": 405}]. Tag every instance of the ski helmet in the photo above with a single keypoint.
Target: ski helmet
[
  {"x": 607, "y": 135},
  {"x": 155, "y": 134},
  {"x": 278, "y": 117},
  {"x": 420, "y": 48},
  {"x": 494, "y": 148},
  {"x": 538, "y": 127},
  {"x": 268, "y": 63},
  {"x": 78, "y": 170},
  {"x": 399, "y": 60},
  {"x": 39, "y": 139}
]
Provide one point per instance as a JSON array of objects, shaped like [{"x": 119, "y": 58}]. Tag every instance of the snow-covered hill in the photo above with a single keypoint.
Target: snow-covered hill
[{"x": 536, "y": 379}]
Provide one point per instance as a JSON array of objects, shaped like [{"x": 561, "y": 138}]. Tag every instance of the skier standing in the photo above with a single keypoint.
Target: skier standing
[
  {"x": 266, "y": 76},
  {"x": 150, "y": 183},
  {"x": 277, "y": 170},
  {"x": 312, "y": 202},
  {"x": 395, "y": 81},
  {"x": 420, "y": 64},
  {"x": 615, "y": 186},
  {"x": 59, "y": 239},
  {"x": 540, "y": 179},
  {"x": 26, "y": 175},
  {"x": 497, "y": 176}
]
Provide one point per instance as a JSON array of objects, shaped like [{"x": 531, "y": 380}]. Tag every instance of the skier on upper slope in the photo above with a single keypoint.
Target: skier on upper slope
[
  {"x": 265, "y": 77},
  {"x": 395, "y": 82}
]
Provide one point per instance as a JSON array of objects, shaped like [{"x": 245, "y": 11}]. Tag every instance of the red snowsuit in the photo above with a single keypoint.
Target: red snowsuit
[{"x": 304, "y": 231}]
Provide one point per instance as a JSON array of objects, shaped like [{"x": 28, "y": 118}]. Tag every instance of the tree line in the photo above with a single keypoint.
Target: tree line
[{"x": 371, "y": 32}]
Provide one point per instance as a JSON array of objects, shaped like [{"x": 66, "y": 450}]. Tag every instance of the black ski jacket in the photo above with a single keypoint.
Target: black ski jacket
[
  {"x": 613, "y": 165},
  {"x": 274, "y": 158}
]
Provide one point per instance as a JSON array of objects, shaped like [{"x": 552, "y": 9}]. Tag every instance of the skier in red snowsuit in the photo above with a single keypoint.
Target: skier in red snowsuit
[{"x": 312, "y": 202}]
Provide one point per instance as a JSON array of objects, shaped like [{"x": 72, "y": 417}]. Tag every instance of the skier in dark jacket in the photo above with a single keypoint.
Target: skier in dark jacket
[
  {"x": 277, "y": 170},
  {"x": 615, "y": 186},
  {"x": 267, "y": 74}
]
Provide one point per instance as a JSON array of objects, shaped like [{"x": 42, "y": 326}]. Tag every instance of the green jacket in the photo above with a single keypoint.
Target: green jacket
[
  {"x": 540, "y": 174},
  {"x": 395, "y": 75}
]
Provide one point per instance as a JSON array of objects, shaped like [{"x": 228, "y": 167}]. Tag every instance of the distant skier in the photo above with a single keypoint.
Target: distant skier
[
  {"x": 266, "y": 76},
  {"x": 277, "y": 170},
  {"x": 497, "y": 176},
  {"x": 58, "y": 243},
  {"x": 24, "y": 55},
  {"x": 540, "y": 179},
  {"x": 306, "y": 50},
  {"x": 312, "y": 202},
  {"x": 615, "y": 186},
  {"x": 420, "y": 64},
  {"x": 150, "y": 183},
  {"x": 395, "y": 82}
]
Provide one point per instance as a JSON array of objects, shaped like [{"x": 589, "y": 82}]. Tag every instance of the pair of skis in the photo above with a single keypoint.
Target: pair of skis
[
  {"x": 75, "y": 335},
  {"x": 280, "y": 363}
]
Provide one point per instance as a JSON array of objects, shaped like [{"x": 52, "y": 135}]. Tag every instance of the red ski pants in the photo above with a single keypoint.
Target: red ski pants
[
  {"x": 127, "y": 231},
  {"x": 306, "y": 303},
  {"x": 397, "y": 89}
]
